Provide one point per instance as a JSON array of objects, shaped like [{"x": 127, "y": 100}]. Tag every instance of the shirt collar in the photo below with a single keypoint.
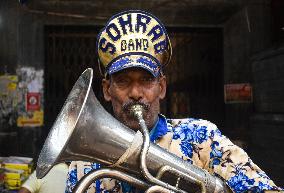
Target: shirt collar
[{"x": 160, "y": 128}]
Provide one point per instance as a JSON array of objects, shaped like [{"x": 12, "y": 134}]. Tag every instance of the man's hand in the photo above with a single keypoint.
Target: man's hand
[{"x": 24, "y": 190}]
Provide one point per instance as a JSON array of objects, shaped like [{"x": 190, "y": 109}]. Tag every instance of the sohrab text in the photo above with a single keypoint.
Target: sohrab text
[{"x": 140, "y": 25}]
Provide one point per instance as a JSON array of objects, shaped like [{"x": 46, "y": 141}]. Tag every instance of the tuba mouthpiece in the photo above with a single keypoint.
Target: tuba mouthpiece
[{"x": 137, "y": 111}]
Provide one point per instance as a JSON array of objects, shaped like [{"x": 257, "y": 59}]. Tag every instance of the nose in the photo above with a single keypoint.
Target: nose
[{"x": 135, "y": 91}]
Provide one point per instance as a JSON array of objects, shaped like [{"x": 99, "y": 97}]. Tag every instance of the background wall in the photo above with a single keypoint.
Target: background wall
[{"x": 247, "y": 32}]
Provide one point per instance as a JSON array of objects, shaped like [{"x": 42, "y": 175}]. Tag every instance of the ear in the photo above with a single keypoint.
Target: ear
[
  {"x": 106, "y": 85},
  {"x": 163, "y": 86}
]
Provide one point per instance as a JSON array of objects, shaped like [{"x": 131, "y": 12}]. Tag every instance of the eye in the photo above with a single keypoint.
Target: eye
[
  {"x": 121, "y": 81},
  {"x": 148, "y": 79}
]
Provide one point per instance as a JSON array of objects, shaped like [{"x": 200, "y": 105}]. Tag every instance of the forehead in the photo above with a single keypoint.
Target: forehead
[{"x": 134, "y": 71}]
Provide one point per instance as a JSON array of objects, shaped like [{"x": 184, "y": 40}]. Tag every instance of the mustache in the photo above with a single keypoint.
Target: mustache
[{"x": 127, "y": 106}]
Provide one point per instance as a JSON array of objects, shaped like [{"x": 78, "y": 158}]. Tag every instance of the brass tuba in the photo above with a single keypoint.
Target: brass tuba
[{"x": 85, "y": 131}]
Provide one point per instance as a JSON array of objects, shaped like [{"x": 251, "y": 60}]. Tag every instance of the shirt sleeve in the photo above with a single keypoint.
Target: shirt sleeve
[
  {"x": 32, "y": 183},
  {"x": 232, "y": 164},
  {"x": 201, "y": 143}
]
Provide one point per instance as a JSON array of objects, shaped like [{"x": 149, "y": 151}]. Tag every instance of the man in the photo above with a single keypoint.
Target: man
[
  {"x": 133, "y": 49},
  {"x": 51, "y": 183}
]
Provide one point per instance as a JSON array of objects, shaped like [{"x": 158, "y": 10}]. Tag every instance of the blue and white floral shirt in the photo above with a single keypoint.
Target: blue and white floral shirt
[{"x": 198, "y": 142}]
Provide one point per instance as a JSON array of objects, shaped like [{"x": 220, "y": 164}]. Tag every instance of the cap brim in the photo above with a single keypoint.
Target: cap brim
[{"x": 132, "y": 61}]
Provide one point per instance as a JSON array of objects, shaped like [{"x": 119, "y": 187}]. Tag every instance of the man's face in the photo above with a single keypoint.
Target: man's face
[{"x": 135, "y": 86}]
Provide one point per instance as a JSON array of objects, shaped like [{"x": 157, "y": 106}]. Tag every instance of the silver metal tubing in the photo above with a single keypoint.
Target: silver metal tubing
[
  {"x": 157, "y": 188},
  {"x": 178, "y": 173},
  {"x": 138, "y": 112},
  {"x": 89, "y": 178}
]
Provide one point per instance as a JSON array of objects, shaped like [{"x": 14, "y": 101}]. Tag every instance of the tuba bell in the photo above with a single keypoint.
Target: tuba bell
[{"x": 85, "y": 131}]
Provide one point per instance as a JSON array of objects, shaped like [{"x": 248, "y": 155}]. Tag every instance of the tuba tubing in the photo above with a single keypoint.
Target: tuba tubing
[{"x": 85, "y": 131}]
